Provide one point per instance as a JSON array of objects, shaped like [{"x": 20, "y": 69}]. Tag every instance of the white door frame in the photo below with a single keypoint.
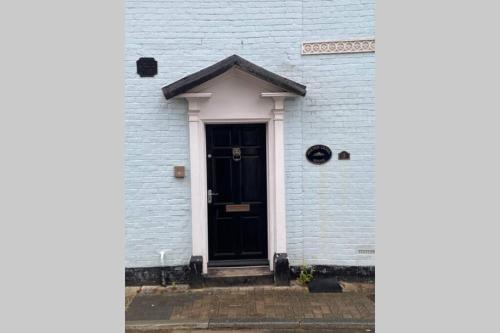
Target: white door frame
[{"x": 275, "y": 170}]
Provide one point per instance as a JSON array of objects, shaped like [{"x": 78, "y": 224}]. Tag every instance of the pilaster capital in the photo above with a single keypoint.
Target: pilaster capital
[
  {"x": 278, "y": 114},
  {"x": 194, "y": 102},
  {"x": 194, "y": 115},
  {"x": 279, "y": 102}
]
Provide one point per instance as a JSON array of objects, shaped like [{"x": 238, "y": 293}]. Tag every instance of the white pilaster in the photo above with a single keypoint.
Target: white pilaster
[
  {"x": 194, "y": 152},
  {"x": 271, "y": 182},
  {"x": 198, "y": 195},
  {"x": 279, "y": 169}
]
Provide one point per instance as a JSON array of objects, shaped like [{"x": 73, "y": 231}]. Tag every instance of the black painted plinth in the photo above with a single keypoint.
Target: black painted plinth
[
  {"x": 165, "y": 275},
  {"x": 143, "y": 276},
  {"x": 344, "y": 273},
  {"x": 281, "y": 269},
  {"x": 325, "y": 285},
  {"x": 195, "y": 272}
]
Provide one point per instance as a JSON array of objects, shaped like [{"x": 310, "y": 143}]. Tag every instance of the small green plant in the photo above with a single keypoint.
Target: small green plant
[
  {"x": 305, "y": 275},
  {"x": 174, "y": 285}
]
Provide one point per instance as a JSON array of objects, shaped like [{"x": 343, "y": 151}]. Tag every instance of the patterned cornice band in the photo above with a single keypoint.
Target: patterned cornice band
[{"x": 341, "y": 46}]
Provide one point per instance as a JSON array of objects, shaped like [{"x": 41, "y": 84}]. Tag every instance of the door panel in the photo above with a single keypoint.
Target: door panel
[
  {"x": 237, "y": 180},
  {"x": 249, "y": 187},
  {"x": 223, "y": 170}
]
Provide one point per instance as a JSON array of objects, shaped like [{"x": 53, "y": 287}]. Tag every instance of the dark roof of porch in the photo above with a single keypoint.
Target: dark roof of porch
[{"x": 208, "y": 73}]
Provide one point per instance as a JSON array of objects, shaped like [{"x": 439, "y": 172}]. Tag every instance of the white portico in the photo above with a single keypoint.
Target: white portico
[{"x": 236, "y": 91}]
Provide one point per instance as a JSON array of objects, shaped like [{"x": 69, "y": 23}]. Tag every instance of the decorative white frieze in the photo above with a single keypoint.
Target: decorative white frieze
[{"x": 341, "y": 46}]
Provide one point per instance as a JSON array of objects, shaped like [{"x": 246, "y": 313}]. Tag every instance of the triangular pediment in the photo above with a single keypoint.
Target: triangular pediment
[{"x": 191, "y": 81}]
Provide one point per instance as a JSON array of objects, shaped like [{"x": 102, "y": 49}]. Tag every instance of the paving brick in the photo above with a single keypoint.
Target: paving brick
[{"x": 250, "y": 305}]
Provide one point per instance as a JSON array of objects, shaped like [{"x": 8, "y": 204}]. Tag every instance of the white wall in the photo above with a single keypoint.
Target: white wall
[{"x": 330, "y": 208}]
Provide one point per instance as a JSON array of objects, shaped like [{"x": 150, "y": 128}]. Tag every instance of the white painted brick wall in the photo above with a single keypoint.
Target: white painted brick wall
[{"x": 330, "y": 208}]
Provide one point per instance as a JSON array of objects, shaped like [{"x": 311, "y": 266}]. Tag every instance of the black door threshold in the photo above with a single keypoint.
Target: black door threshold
[{"x": 235, "y": 263}]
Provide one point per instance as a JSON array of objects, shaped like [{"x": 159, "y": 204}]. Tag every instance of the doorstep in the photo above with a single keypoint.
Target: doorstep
[{"x": 238, "y": 276}]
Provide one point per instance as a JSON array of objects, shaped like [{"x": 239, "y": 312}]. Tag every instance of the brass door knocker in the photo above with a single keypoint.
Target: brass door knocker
[{"x": 236, "y": 154}]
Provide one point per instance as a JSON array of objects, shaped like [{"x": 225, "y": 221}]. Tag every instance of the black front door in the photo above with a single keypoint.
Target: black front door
[{"x": 237, "y": 205}]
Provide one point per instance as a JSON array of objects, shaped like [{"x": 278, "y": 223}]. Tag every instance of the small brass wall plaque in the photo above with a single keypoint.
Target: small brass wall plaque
[
  {"x": 179, "y": 172},
  {"x": 237, "y": 208},
  {"x": 343, "y": 155}
]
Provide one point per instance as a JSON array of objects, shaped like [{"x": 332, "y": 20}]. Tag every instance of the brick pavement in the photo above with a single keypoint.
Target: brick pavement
[{"x": 248, "y": 307}]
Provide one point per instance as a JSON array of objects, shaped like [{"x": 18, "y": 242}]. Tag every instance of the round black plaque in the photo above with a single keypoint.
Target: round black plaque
[{"x": 318, "y": 154}]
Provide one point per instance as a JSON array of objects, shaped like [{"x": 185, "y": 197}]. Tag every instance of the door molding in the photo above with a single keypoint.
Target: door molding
[{"x": 270, "y": 112}]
